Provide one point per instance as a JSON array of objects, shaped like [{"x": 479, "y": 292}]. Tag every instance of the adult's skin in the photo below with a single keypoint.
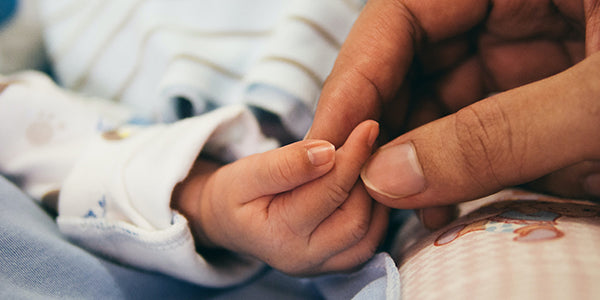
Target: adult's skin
[{"x": 431, "y": 58}]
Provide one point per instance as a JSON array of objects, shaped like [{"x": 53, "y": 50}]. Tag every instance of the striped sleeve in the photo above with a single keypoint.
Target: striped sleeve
[
  {"x": 158, "y": 57},
  {"x": 21, "y": 41}
]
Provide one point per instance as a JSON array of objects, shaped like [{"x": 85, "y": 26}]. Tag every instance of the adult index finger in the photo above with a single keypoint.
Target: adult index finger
[{"x": 377, "y": 54}]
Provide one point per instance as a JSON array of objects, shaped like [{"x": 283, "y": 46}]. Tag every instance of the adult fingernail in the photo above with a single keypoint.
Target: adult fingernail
[
  {"x": 394, "y": 171},
  {"x": 320, "y": 153},
  {"x": 591, "y": 184}
]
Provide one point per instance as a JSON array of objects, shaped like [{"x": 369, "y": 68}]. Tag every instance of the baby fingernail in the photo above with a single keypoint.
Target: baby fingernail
[
  {"x": 394, "y": 171},
  {"x": 320, "y": 153},
  {"x": 591, "y": 184}
]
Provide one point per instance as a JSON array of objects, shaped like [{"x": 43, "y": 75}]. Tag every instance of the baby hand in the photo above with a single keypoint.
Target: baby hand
[{"x": 299, "y": 208}]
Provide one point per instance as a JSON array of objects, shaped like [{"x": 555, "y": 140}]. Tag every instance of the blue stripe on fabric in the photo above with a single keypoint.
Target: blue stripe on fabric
[{"x": 7, "y": 10}]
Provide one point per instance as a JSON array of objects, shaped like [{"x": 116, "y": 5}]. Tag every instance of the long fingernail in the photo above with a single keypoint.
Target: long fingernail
[
  {"x": 591, "y": 184},
  {"x": 394, "y": 171},
  {"x": 320, "y": 153}
]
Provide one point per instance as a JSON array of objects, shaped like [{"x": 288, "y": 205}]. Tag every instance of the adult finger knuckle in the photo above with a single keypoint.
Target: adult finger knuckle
[{"x": 486, "y": 142}]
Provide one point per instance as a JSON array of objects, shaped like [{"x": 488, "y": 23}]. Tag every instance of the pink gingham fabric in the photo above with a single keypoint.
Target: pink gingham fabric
[{"x": 512, "y": 245}]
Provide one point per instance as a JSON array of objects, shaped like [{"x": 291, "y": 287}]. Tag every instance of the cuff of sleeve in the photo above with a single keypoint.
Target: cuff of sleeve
[
  {"x": 122, "y": 208},
  {"x": 169, "y": 251}
]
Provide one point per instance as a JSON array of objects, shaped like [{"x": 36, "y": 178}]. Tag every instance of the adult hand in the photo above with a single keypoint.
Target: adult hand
[{"x": 536, "y": 57}]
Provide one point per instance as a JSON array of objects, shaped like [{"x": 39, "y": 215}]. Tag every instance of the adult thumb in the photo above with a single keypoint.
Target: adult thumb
[{"x": 504, "y": 140}]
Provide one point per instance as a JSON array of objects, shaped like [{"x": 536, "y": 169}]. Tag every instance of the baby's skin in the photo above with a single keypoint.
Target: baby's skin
[{"x": 299, "y": 208}]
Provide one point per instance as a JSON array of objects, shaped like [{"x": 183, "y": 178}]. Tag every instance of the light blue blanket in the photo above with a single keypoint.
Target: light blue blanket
[{"x": 36, "y": 262}]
